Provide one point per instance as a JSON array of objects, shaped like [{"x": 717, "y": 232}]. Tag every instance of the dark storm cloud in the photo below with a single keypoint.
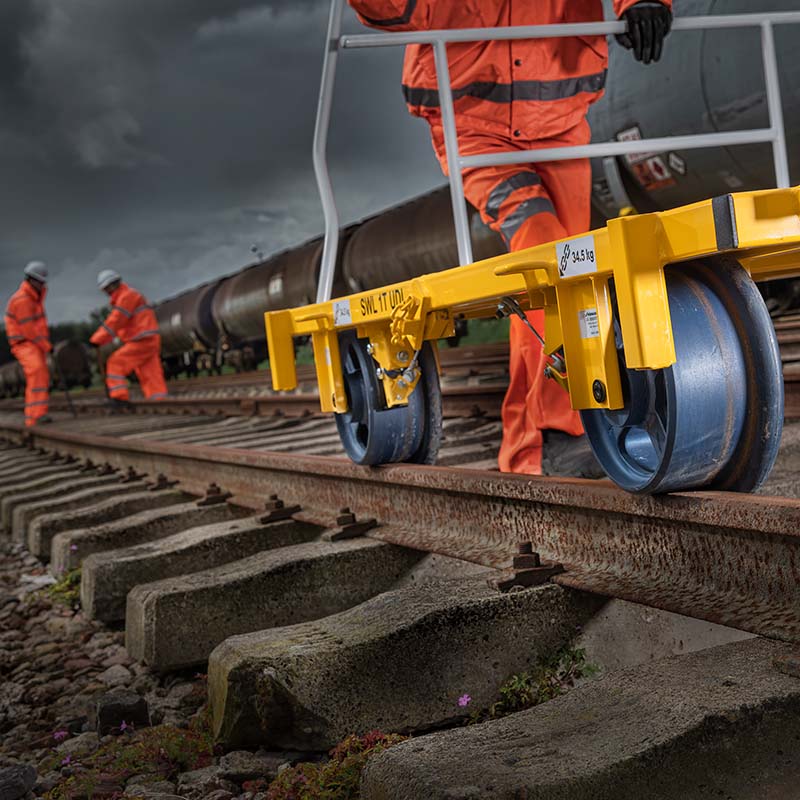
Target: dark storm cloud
[
  {"x": 166, "y": 138},
  {"x": 17, "y": 19}
]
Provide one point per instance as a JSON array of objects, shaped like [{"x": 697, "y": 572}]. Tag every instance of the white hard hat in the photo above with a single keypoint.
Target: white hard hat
[
  {"x": 107, "y": 277},
  {"x": 36, "y": 270}
]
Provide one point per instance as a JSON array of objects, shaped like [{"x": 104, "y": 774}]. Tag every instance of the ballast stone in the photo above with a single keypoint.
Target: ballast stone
[
  {"x": 398, "y": 662},
  {"x": 16, "y": 780},
  {"x": 715, "y": 723}
]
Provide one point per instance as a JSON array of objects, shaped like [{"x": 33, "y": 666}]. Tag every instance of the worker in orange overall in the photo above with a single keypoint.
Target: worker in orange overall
[
  {"x": 132, "y": 322},
  {"x": 523, "y": 95},
  {"x": 29, "y": 337}
]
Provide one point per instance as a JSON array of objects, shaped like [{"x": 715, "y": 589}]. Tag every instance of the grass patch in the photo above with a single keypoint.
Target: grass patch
[
  {"x": 67, "y": 590},
  {"x": 484, "y": 331},
  {"x": 550, "y": 678},
  {"x": 337, "y": 779}
]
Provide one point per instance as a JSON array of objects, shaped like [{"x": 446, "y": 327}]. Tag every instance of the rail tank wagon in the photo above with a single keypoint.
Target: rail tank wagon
[
  {"x": 281, "y": 281},
  {"x": 707, "y": 81},
  {"x": 187, "y": 327},
  {"x": 12, "y": 379},
  {"x": 412, "y": 239},
  {"x": 72, "y": 364}
]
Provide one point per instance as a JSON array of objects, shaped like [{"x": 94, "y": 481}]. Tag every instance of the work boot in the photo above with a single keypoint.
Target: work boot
[
  {"x": 119, "y": 406},
  {"x": 566, "y": 456},
  {"x": 44, "y": 420}
]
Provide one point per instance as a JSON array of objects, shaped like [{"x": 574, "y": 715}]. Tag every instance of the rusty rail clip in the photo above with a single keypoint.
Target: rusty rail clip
[
  {"x": 349, "y": 528},
  {"x": 527, "y": 570},
  {"x": 277, "y": 510}
]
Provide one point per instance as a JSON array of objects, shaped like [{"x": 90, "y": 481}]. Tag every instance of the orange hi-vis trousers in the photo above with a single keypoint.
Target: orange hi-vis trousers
[
  {"x": 143, "y": 358},
  {"x": 37, "y": 380},
  {"x": 530, "y": 204}
]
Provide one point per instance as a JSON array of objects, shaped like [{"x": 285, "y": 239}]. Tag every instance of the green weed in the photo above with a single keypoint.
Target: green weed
[{"x": 339, "y": 778}]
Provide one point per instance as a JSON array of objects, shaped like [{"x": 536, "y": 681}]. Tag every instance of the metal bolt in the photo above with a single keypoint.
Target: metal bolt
[
  {"x": 379, "y": 373},
  {"x": 274, "y": 503},
  {"x": 370, "y": 348},
  {"x": 525, "y": 548},
  {"x": 346, "y": 517},
  {"x": 409, "y": 375},
  {"x": 402, "y": 355},
  {"x": 599, "y": 391}
]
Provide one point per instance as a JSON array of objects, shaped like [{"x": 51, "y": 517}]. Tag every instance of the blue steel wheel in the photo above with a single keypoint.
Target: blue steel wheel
[
  {"x": 714, "y": 418},
  {"x": 373, "y": 434}
]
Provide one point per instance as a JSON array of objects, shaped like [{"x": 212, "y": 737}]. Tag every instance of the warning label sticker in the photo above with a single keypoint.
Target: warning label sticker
[
  {"x": 589, "y": 325},
  {"x": 341, "y": 313},
  {"x": 576, "y": 257}
]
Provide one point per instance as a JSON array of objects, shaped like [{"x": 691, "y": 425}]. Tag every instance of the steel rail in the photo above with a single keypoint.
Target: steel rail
[
  {"x": 457, "y": 402},
  {"x": 726, "y": 558}
]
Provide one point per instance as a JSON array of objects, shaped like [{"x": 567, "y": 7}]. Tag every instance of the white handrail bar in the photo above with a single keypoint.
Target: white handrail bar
[{"x": 439, "y": 39}]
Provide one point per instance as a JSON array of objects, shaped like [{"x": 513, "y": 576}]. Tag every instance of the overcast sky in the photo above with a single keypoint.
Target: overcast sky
[{"x": 164, "y": 138}]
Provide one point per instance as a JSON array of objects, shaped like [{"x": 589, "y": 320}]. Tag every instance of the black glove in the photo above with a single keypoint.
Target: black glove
[{"x": 648, "y": 26}]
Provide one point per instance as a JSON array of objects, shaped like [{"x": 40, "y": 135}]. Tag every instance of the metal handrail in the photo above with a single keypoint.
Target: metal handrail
[{"x": 774, "y": 135}]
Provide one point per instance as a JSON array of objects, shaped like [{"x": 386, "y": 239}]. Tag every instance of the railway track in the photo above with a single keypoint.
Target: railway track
[
  {"x": 683, "y": 553},
  {"x": 209, "y": 533}
]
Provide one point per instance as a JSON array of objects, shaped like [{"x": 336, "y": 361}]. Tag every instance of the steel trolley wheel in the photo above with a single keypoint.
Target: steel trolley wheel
[
  {"x": 374, "y": 434},
  {"x": 714, "y": 418}
]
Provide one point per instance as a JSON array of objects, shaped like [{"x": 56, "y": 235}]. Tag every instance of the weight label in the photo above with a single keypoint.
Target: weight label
[
  {"x": 589, "y": 325},
  {"x": 341, "y": 313},
  {"x": 576, "y": 257},
  {"x": 382, "y": 302}
]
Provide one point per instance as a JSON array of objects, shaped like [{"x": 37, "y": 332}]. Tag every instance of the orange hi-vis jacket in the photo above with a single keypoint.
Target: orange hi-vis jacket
[
  {"x": 25, "y": 318},
  {"x": 131, "y": 319},
  {"x": 528, "y": 88}
]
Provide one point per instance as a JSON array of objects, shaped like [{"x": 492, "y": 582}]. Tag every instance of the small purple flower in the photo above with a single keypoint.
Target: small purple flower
[
  {"x": 124, "y": 726},
  {"x": 59, "y": 736},
  {"x": 73, "y": 547},
  {"x": 67, "y": 760},
  {"x": 464, "y": 700}
]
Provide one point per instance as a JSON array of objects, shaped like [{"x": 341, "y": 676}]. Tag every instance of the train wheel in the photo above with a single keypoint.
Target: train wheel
[
  {"x": 714, "y": 418},
  {"x": 373, "y": 434}
]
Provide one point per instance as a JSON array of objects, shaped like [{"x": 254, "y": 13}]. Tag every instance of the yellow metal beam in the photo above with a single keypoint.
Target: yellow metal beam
[{"x": 582, "y": 282}]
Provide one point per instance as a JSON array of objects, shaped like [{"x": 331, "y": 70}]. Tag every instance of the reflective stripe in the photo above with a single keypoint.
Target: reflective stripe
[
  {"x": 15, "y": 338},
  {"x": 117, "y": 390},
  {"x": 524, "y": 211},
  {"x": 41, "y": 389},
  {"x": 30, "y": 319},
  {"x": 503, "y": 190},
  {"x": 144, "y": 335},
  {"x": 37, "y": 403},
  {"x": 544, "y": 91},
  {"x": 144, "y": 307},
  {"x": 401, "y": 20},
  {"x": 108, "y": 330},
  {"x": 11, "y": 316},
  {"x": 122, "y": 311},
  {"x": 117, "y": 377}
]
